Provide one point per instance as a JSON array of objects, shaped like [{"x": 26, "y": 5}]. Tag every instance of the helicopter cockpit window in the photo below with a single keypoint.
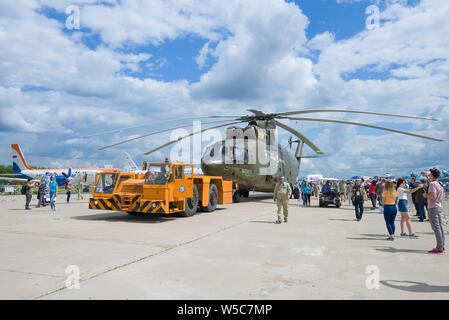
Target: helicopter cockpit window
[
  {"x": 106, "y": 183},
  {"x": 157, "y": 174}
]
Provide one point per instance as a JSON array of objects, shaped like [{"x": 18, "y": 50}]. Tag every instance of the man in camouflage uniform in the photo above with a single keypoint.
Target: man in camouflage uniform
[
  {"x": 282, "y": 192},
  {"x": 342, "y": 188}
]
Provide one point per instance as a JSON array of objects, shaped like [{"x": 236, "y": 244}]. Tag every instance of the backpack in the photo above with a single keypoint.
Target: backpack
[
  {"x": 358, "y": 198},
  {"x": 24, "y": 189}
]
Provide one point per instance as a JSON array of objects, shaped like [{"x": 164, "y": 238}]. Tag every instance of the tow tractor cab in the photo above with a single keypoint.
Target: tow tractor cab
[{"x": 164, "y": 188}]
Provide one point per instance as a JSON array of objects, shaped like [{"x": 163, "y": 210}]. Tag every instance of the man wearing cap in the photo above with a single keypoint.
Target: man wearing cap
[
  {"x": 412, "y": 185},
  {"x": 282, "y": 192},
  {"x": 358, "y": 198},
  {"x": 29, "y": 192},
  {"x": 435, "y": 211},
  {"x": 420, "y": 200}
]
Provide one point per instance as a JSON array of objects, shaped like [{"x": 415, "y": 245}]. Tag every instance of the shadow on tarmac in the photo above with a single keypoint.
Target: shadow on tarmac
[
  {"x": 378, "y": 237},
  {"x": 396, "y": 250},
  {"x": 120, "y": 216},
  {"x": 257, "y": 197},
  {"x": 269, "y": 222},
  {"x": 125, "y": 217},
  {"x": 413, "y": 286}
]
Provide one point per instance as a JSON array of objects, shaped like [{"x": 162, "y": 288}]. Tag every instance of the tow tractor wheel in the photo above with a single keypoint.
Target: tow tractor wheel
[
  {"x": 213, "y": 199},
  {"x": 191, "y": 204}
]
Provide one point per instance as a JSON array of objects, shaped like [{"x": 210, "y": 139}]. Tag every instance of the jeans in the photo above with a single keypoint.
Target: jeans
[
  {"x": 422, "y": 211},
  {"x": 358, "y": 210},
  {"x": 373, "y": 199},
  {"x": 390, "y": 212},
  {"x": 379, "y": 198},
  {"x": 307, "y": 199},
  {"x": 416, "y": 207},
  {"x": 68, "y": 195},
  {"x": 28, "y": 200},
  {"x": 52, "y": 200}
]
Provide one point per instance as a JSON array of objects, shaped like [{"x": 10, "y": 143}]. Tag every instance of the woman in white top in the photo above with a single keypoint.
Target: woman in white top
[{"x": 402, "y": 206}]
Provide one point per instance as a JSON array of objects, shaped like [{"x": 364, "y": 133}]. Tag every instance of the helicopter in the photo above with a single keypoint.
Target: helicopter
[{"x": 232, "y": 160}]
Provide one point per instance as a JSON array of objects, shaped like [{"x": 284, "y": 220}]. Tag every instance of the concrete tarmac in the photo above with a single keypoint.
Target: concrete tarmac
[{"x": 236, "y": 252}]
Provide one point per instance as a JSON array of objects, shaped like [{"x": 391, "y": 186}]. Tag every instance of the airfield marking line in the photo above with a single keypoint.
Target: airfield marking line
[
  {"x": 33, "y": 273},
  {"x": 156, "y": 253}
]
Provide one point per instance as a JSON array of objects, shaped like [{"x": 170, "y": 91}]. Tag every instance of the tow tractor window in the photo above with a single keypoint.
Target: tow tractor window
[
  {"x": 179, "y": 172},
  {"x": 157, "y": 174},
  {"x": 106, "y": 183}
]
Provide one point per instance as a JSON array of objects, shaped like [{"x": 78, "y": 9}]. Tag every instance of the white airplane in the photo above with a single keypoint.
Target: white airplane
[{"x": 23, "y": 172}]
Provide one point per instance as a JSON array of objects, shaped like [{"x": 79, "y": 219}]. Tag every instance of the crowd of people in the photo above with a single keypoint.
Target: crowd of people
[
  {"x": 387, "y": 195},
  {"x": 48, "y": 189}
]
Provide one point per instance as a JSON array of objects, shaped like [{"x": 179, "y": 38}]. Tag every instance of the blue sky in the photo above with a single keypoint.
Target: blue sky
[{"x": 134, "y": 62}]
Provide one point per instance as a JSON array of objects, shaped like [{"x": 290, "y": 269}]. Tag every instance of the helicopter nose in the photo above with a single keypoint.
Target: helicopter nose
[{"x": 212, "y": 167}]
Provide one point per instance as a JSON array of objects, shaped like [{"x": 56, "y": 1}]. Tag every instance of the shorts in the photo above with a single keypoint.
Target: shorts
[{"x": 402, "y": 205}]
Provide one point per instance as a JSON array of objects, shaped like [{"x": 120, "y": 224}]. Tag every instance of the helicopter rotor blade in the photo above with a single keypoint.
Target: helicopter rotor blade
[
  {"x": 153, "y": 133},
  {"x": 300, "y": 136},
  {"x": 353, "y": 111},
  {"x": 367, "y": 125},
  {"x": 153, "y": 123},
  {"x": 189, "y": 135},
  {"x": 256, "y": 112}
]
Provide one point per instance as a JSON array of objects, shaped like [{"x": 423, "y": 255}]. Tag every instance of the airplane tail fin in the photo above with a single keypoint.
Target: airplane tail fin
[
  {"x": 130, "y": 164},
  {"x": 18, "y": 160}
]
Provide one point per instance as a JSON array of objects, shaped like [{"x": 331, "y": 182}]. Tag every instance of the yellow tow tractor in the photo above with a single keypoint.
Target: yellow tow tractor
[{"x": 164, "y": 188}]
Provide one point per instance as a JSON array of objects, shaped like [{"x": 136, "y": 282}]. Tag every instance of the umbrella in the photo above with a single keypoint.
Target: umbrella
[{"x": 356, "y": 177}]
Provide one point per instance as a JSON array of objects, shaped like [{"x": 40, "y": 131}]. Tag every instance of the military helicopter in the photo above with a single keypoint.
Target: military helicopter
[{"x": 234, "y": 163}]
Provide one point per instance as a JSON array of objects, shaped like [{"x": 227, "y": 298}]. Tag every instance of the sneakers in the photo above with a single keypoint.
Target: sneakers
[
  {"x": 436, "y": 250},
  {"x": 413, "y": 236},
  {"x": 285, "y": 220},
  {"x": 390, "y": 239},
  {"x": 403, "y": 234},
  {"x": 278, "y": 222}
]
